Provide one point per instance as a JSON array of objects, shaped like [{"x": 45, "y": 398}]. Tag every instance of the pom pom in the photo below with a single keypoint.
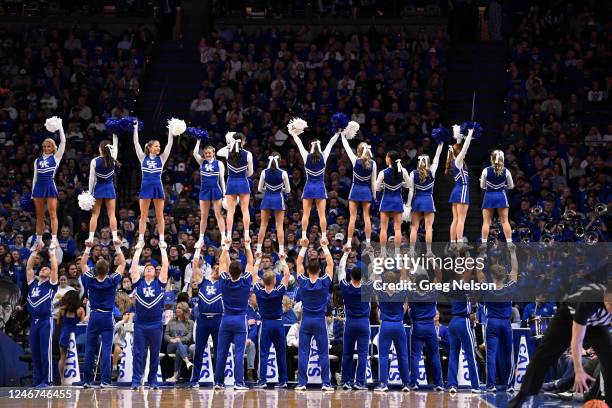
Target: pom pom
[
  {"x": 441, "y": 135},
  {"x": 197, "y": 133},
  {"x": 339, "y": 121},
  {"x": 350, "y": 130},
  {"x": 407, "y": 213},
  {"x": 296, "y": 126},
  {"x": 86, "y": 201},
  {"x": 53, "y": 124},
  {"x": 229, "y": 137},
  {"x": 26, "y": 203},
  {"x": 176, "y": 126},
  {"x": 478, "y": 130},
  {"x": 127, "y": 124},
  {"x": 113, "y": 125}
]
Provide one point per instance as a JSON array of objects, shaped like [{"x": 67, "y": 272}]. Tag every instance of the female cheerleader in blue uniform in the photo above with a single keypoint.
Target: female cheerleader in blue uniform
[
  {"x": 151, "y": 165},
  {"x": 71, "y": 313},
  {"x": 101, "y": 172},
  {"x": 273, "y": 183},
  {"x": 212, "y": 188},
  {"x": 314, "y": 189},
  {"x": 239, "y": 169},
  {"x": 495, "y": 180},
  {"x": 460, "y": 196},
  {"x": 363, "y": 188},
  {"x": 44, "y": 190},
  {"x": 149, "y": 303},
  {"x": 390, "y": 181},
  {"x": 421, "y": 203},
  {"x": 41, "y": 290}
]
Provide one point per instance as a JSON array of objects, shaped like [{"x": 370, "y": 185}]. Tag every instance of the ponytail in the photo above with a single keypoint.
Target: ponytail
[
  {"x": 106, "y": 153},
  {"x": 273, "y": 161},
  {"x": 497, "y": 161},
  {"x": 365, "y": 154},
  {"x": 423, "y": 167},
  {"x": 396, "y": 165},
  {"x": 450, "y": 156},
  {"x": 236, "y": 148},
  {"x": 315, "y": 150}
]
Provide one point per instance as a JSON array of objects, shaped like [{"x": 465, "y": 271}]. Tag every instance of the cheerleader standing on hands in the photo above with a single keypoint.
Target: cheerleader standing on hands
[
  {"x": 314, "y": 164},
  {"x": 101, "y": 172},
  {"x": 44, "y": 190},
  {"x": 362, "y": 189},
  {"x": 152, "y": 164},
  {"x": 460, "y": 196},
  {"x": 239, "y": 169},
  {"x": 273, "y": 182},
  {"x": 212, "y": 188},
  {"x": 421, "y": 203},
  {"x": 390, "y": 181},
  {"x": 495, "y": 180}
]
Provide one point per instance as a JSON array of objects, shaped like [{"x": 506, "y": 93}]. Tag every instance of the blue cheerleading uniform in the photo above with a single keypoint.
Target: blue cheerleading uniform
[
  {"x": 208, "y": 321},
  {"x": 461, "y": 335},
  {"x": 272, "y": 329},
  {"x": 314, "y": 188},
  {"x": 391, "y": 200},
  {"x": 392, "y": 331},
  {"x": 44, "y": 181},
  {"x": 495, "y": 188},
  {"x": 68, "y": 326},
  {"x": 237, "y": 179},
  {"x": 101, "y": 323},
  {"x": 274, "y": 185},
  {"x": 210, "y": 189},
  {"x": 103, "y": 176},
  {"x": 40, "y": 306},
  {"x": 423, "y": 333},
  {"x": 314, "y": 304},
  {"x": 148, "y": 327},
  {"x": 361, "y": 189},
  {"x": 423, "y": 197},
  {"x": 356, "y": 330},
  {"x": 151, "y": 186},
  {"x": 233, "y": 329},
  {"x": 461, "y": 190}
]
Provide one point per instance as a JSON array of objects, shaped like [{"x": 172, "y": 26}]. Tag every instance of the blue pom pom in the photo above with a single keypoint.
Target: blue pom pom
[
  {"x": 113, "y": 125},
  {"x": 197, "y": 133},
  {"x": 339, "y": 121},
  {"x": 26, "y": 203},
  {"x": 478, "y": 130},
  {"x": 127, "y": 124},
  {"x": 441, "y": 135}
]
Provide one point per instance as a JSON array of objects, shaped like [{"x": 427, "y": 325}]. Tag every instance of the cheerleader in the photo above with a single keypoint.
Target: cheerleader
[
  {"x": 390, "y": 181},
  {"x": 421, "y": 203},
  {"x": 362, "y": 189},
  {"x": 151, "y": 165},
  {"x": 495, "y": 180},
  {"x": 239, "y": 169},
  {"x": 71, "y": 313},
  {"x": 314, "y": 189},
  {"x": 41, "y": 290},
  {"x": 460, "y": 196},
  {"x": 212, "y": 188},
  {"x": 148, "y": 293},
  {"x": 101, "y": 172},
  {"x": 44, "y": 190},
  {"x": 273, "y": 182}
]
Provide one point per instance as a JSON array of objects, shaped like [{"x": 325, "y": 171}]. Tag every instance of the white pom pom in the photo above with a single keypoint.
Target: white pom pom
[
  {"x": 177, "y": 126},
  {"x": 351, "y": 130},
  {"x": 53, "y": 124},
  {"x": 224, "y": 202},
  {"x": 296, "y": 126},
  {"x": 86, "y": 201},
  {"x": 406, "y": 214},
  {"x": 229, "y": 137}
]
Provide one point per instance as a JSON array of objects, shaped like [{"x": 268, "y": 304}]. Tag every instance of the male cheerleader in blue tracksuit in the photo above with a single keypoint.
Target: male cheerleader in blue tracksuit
[
  {"x": 101, "y": 289},
  {"x": 41, "y": 291},
  {"x": 235, "y": 289},
  {"x": 422, "y": 311},
  {"x": 148, "y": 293},
  {"x": 314, "y": 291},
  {"x": 495, "y": 180},
  {"x": 356, "y": 294},
  {"x": 210, "y": 310},
  {"x": 270, "y": 294},
  {"x": 392, "y": 331},
  {"x": 498, "y": 329}
]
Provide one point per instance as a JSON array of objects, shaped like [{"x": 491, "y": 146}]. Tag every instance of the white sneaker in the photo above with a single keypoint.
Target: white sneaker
[
  {"x": 105, "y": 385},
  {"x": 217, "y": 387},
  {"x": 240, "y": 387},
  {"x": 327, "y": 388},
  {"x": 300, "y": 388},
  {"x": 172, "y": 379},
  {"x": 189, "y": 364},
  {"x": 452, "y": 390}
]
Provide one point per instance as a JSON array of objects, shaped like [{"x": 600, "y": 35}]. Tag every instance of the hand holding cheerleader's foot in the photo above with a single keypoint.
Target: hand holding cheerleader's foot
[
  {"x": 163, "y": 245},
  {"x": 304, "y": 242},
  {"x": 199, "y": 243},
  {"x": 324, "y": 241}
]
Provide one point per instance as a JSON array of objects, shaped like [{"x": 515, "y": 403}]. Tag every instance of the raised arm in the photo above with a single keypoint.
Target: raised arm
[
  {"x": 30, "y": 266},
  {"x": 300, "y": 146},
  {"x": 466, "y": 145},
  {"x": 222, "y": 176},
  {"x": 509, "y": 180},
  {"x": 299, "y": 262},
  {"x": 255, "y": 270},
  {"x": 115, "y": 148},
  {"x": 483, "y": 179},
  {"x": 342, "y": 266},
  {"x": 62, "y": 146},
  {"x": 196, "y": 270},
  {"x": 513, "y": 263},
  {"x": 286, "y": 184},
  {"x": 249, "y": 172},
  {"x": 139, "y": 153},
  {"x": 163, "y": 274},
  {"x": 196, "y": 153},
  {"x": 224, "y": 258},
  {"x": 166, "y": 153},
  {"x": 119, "y": 254},
  {"x": 53, "y": 277},
  {"x": 330, "y": 145},
  {"x": 349, "y": 151},
  {"x": 92, "y": 175},
  {"x": 85, "y": 258},
  {"x": 134, "y": 268},
  {"x": 436, "y": 160},
  {"x": 286, "y": 272},
  {"x": 329, "y": 261}
]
